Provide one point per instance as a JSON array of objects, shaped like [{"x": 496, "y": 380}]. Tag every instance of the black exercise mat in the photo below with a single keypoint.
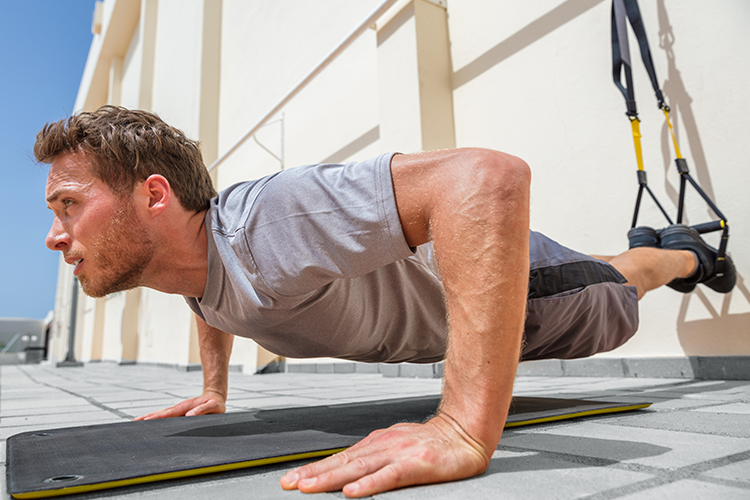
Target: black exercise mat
[{"x": 81, "y": 459}]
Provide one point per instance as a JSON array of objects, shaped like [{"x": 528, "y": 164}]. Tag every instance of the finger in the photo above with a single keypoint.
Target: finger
[
  {"x": 291, "y": 478},
  {"x": 154, "y": 414},
  {"x": 392, "y": 476},
  {"x": 335, "y": 472},
  {"x": 177, "y": 410},
  {"x": 360, "y": 449}
]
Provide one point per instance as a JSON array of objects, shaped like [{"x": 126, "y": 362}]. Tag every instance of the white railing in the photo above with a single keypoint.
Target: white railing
[{"x": 361, "y": 28}]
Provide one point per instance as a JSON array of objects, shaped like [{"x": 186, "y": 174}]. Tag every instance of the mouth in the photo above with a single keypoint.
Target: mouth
[{"x": 76, "y": 263}]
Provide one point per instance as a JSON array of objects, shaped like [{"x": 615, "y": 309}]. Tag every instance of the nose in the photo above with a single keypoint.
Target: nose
[{"x": 57, "y": 238}]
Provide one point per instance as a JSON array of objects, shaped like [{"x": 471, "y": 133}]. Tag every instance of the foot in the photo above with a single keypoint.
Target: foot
[
  {"x": 643, "y": 236},
  {"x": 718, "y": 276}
]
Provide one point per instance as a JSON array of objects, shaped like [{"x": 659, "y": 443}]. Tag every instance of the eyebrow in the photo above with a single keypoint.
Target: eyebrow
[{"x": 55, "y": 195}]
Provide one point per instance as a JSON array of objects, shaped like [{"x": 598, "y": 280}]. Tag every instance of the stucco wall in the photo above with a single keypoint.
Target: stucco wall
[
  {"x": 529, "y": 78},
  {"x": 535, "y": 79}
]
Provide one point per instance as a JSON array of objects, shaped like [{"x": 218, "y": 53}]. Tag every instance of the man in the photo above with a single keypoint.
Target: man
[{"x": 332, "y": 260}]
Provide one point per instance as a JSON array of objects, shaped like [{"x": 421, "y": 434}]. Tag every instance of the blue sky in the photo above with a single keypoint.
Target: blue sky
[{"x": 43, "y": 49}]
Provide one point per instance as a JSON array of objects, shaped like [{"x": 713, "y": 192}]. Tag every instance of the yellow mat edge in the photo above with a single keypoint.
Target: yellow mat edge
[{"x": 568, "y": 416}]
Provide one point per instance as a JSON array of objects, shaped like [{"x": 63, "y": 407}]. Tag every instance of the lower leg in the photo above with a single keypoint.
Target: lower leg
[{"x": 649, "y": 268}]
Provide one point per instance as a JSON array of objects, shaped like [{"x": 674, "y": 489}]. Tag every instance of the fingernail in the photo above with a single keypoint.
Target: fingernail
[
  {"x": 353, "y": 488},
  {"x": 291, "y": 478},
  {"x": 308, "y": 482}
]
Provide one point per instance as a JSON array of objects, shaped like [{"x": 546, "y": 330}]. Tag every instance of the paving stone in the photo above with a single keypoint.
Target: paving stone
[
  {"x": 6, "y": 432},
  {"x": 734, "y": 408},
  {"x": 278, "y": 402},
  {"x": 121, "y": 396},
  {"x": 677, "y": 404},
  {"x": 691, "y": 490},
  {"x": 739, "y": 471},
  {"x": 26, "y": 392},
  {"x": 609, "y": 367},
  {"x": 718, "y": 424},
  {"x": 59, "y": 401},
  {"x": 251, "y": 394},
  {"x": 714, "y": 396},
  {"x": 645, "y": 446},
  {"x": 412, "y": 370},
  {"x": 50, "y": 411},
  {"x": 656, "y": 403},
  {"x": 522, "y": 476},
  {"x": 366, "y": 368},
  {"x": 91, "y": 417},
  {"x": 722, "y": 367},
  {"x": 659, "y": 367},
  {"x": 320, "y": 393},
  {"x": 544, "y": 367}
]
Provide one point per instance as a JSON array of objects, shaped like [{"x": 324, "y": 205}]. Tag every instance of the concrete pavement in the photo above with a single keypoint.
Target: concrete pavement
[{"x": 694, "y": 442}]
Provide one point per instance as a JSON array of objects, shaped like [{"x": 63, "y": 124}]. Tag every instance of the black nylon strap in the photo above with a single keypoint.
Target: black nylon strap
[
  {"x": 621, "y": 57},
  {"x": 623, "y": 10}
]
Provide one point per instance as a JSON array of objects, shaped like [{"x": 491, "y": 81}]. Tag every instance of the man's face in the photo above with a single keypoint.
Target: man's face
[{"x": 96, "y": 230}]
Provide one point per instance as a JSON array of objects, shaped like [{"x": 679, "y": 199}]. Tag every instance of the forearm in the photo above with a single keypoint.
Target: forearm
[
  {"x": 486, "y": 319},
  {"x": 215, "y": 349},
  {"x": 478, "y": 220}
]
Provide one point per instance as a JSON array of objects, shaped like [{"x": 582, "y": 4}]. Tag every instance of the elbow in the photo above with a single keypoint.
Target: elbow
[{"x": 500, "y": 173}]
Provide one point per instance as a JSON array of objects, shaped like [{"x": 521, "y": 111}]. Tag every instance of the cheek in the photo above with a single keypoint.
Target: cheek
[{"x": 85, "y": 231}]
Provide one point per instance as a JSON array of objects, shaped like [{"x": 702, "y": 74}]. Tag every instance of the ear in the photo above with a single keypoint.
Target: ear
[{"x": 157, "y": 191}]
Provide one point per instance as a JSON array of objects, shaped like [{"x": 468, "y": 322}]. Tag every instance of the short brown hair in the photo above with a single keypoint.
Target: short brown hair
[{"x": 128, "y": 146}]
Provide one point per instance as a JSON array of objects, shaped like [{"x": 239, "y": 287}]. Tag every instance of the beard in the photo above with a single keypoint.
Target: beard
[{"x": 120, "y": 254}]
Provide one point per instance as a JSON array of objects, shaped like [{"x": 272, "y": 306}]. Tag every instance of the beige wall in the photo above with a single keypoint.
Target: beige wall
[
  {"x": 529, "y": 78},
  {"x": 535, "y": 80}
]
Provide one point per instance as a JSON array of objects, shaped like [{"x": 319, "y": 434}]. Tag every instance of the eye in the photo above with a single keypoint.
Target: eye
[{"x": 67, "y": 202}]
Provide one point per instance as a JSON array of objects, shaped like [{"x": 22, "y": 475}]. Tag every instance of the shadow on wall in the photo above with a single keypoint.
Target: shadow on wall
[
  {"x": 537, "y": 29},
  {"x": 680, "y": 103},
  {"x": 722, "y": 333}
]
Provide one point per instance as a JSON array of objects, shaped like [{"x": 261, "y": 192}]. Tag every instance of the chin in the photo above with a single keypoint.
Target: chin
[{"x": 100, "y": 290}]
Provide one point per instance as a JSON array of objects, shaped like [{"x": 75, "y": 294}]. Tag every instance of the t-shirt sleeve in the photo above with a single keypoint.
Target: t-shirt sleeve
[{"x": 312, "y": 224}]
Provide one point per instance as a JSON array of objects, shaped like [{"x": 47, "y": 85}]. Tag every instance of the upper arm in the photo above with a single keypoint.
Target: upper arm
[{"x": 426, "y": 185}]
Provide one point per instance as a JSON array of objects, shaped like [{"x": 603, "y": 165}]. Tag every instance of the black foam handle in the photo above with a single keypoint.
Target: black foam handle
[{"x": 709, "y": 227}]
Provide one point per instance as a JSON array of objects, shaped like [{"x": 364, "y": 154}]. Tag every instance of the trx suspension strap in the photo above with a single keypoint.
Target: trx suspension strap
[{"x": 627, "y": 10}]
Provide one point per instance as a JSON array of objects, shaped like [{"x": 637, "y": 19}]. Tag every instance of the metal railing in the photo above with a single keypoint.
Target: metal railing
[{"x": 361, "y": 28}]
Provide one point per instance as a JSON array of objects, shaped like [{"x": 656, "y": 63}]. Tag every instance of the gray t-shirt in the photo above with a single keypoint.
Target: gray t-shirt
[{"x": 312, "y": 262}]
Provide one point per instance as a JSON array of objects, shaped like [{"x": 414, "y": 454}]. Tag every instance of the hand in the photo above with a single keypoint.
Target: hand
[
  {"x": 209, "y": 402},
  {"x": 402, "y": 455}
]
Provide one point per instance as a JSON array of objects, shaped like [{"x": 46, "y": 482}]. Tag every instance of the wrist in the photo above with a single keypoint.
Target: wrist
[
  {"x": 222, "y": 394},
  {"x": 479, "y": 407},
  {"x": 482, "y": 430},
  {"x": 450, "y": 427}
]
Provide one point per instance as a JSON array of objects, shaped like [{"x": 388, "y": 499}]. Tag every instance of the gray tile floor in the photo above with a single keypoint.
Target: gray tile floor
[{"x": 694, "y": 442}]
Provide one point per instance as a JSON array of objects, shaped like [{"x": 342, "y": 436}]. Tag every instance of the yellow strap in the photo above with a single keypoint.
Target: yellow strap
[
  {"x": 635, "y": 123},
  {"x": 671, "y": 131}
]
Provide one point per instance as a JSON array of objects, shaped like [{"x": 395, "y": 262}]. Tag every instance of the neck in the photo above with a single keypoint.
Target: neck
[{"x": 180, "y": 264}]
